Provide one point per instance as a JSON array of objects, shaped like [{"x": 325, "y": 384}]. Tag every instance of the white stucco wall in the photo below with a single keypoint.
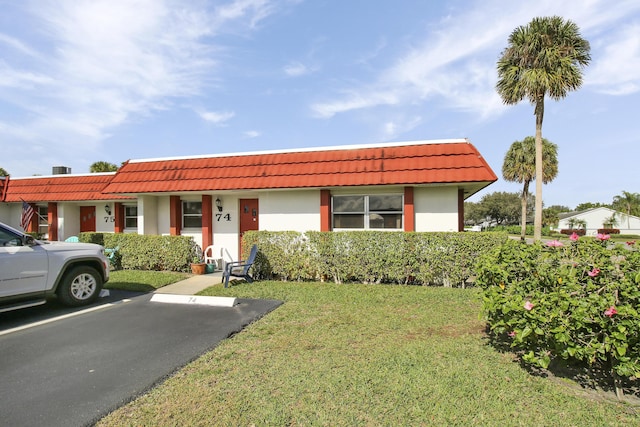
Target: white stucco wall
[
  {"x": 105, "y": 223},
  {"x": 5, "y": 214},
  {"x": 290, "y": 211},
  {"x": 436, "y": 208},
  {"x": 148, "y": 213},
  {"x": 68, "y": 220},
  {"x": 226, "y": 225}
]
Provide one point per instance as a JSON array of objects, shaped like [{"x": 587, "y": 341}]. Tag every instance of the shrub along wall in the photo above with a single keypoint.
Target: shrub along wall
[
  {"x": 370, "y": 256},
  {"x": 148, "y": 252}
]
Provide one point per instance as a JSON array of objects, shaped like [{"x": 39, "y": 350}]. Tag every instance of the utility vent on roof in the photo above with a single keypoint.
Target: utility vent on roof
[{"x": 61, "y": 170}]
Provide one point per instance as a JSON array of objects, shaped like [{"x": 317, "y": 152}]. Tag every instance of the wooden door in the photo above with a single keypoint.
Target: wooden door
[
  {"x": 248, "y": 219},
  {"x": 87, "y": 218}
]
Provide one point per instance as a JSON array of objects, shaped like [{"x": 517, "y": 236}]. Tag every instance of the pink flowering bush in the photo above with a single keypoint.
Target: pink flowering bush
[{"x": 575, "y": 302}]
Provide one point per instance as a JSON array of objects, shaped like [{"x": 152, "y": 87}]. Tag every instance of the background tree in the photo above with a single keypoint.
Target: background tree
[
  {"x": 589, "y": 205},
  {"x": 3, "y": 172},
  {"x": 473, "y": 213},
  {"x": 103, "y": 167},
  {"x": 628, "y": 203},
  {"x": 551, "y": 215},
  {"x": 519, "y": 166},
  {"x": 501, "y": 207},
  {"x": 545, "y": 57}
]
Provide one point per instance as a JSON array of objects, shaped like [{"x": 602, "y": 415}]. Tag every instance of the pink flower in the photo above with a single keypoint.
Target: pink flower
[
  {"x": 602, "y": 237},
  {"x": 574, "y": 237},
  {"x": 631, "y": 242},
  {"x": 555, "y": 243},
  {"x": 594, "y": 272},
  {"x": 512, "y": 334},
  {"x": 610, "y": 311},
  {"x": 528, "y": 305}
]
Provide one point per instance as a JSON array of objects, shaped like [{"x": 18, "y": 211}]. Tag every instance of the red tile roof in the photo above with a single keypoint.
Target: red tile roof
[
  {"x": 60, "y": 188},
  {"x": 415, "y": 163}
]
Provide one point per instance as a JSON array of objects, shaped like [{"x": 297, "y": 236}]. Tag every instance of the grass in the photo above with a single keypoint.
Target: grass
[
  {"x": 368, "y": 355},
  {"x": 142, "y": 281}
]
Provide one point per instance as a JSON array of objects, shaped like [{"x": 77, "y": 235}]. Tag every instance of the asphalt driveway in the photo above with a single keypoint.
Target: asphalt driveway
[{"x": 74, "y": 370}]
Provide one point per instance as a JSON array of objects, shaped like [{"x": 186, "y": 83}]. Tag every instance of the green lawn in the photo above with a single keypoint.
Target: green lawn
[{"x": 370, "y": 355}]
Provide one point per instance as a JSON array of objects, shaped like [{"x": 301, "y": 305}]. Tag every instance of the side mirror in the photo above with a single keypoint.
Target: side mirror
[{"x": 29, "y": 240}]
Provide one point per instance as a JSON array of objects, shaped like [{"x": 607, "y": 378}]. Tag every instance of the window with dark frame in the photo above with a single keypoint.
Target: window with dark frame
[
  {"x": 365, "y": 212},
  {"x": 130, "y": 216},
  {"x": 191, "y": 214}
]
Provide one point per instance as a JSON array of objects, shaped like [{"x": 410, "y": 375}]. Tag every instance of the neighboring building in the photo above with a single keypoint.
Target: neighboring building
[
  {"x": 598, "y": 218},
  {"x": 411, "y": 186}
]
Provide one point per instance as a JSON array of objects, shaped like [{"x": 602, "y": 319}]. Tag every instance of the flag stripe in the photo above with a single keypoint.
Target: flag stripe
[{"x": 27, "y": 214}]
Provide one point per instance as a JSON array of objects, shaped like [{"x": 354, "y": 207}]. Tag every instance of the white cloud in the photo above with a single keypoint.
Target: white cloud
[
  {"x": 296, "y": 69},
  {"x": 217, "y": 118},
  {"x": 93, "y": 65},
  {"x": 615, "y": 70},
  {"x": 252, "y": 134},
  {"x": 453, "y": 64}
]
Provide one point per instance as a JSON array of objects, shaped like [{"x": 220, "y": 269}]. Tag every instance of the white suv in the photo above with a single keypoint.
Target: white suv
[{"x": 32, "y": 271}]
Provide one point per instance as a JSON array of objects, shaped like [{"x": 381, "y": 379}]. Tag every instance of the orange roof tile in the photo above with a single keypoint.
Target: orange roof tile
[
  {"x": 60, "y": 188},
  {"x": 414, "y": 163}
]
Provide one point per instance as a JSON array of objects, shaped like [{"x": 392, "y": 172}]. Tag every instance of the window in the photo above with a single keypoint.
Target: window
[
  {"x": 43, "y": 221},
  {"x": 368, "y": 212},
  {"x": 191, "y": 214},
  {"x": 131, "y": 217}
]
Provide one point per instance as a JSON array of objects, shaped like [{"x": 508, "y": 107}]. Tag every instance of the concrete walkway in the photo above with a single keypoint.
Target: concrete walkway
[{"x": 192, "y": 285}]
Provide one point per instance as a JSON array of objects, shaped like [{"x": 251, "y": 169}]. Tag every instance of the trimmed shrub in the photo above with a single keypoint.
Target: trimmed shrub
[
  {"x": 608, "y": 231},
  {"x": 149, "y": 252},
  {"x": 370, "y": 256},
  {"x": 570, "y": 231}
]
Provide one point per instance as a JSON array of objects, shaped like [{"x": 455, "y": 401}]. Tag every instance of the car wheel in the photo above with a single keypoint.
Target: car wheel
[{"x": 81, "y": 285}]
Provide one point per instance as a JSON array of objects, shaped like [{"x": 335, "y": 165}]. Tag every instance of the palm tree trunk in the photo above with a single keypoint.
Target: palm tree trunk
[
  {"x": 537, "y": 219},
  {"x": 523, "y": 217}
]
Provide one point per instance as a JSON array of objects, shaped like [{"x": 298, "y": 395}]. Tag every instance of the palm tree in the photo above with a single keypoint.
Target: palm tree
[
  {"x": 519, "y": 166},
  {"x": 629, "y": 203},
  {"x": 545, "y": 57}
]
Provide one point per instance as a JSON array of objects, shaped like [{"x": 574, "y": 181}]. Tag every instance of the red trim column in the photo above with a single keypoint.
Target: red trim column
[
  {"x": 175, "y": 215},
  {"x": 207, "y": 221},
  {"x": 409, "y": 210},
  {"x": 460, "y": 209},
  {"x": 325, "y": 210},
  {"x": 52, "y": 219},
  {"x": 118, "y": 225}
]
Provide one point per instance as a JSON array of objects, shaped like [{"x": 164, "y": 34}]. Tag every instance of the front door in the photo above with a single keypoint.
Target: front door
[
  {"x": 87, "y": 218},
  {"x": 248, "y": 219}
]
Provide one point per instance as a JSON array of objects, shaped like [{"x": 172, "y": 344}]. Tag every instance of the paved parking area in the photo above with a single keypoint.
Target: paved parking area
[{"x": 72, "y": 371}]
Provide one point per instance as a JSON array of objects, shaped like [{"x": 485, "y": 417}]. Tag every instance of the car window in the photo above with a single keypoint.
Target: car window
[{"x": 9, "y": 239}]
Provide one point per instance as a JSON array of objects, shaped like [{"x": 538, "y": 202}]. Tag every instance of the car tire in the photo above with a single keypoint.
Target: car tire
[{"x": 80, "y": 286}]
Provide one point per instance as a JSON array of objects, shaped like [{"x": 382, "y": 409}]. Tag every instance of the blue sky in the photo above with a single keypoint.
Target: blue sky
[{"x": 89, "y": 80}]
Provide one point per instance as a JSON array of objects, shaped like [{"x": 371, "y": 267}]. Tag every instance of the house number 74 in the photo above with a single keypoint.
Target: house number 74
[{"x": 226, "y": 217}]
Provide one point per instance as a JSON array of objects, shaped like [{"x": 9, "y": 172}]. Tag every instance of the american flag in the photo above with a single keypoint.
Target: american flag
[{"x": 27, "y": 214}]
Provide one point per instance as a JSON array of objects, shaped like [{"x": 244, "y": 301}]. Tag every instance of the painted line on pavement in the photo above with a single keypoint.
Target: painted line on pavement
[{"x": 64, "y": 316}]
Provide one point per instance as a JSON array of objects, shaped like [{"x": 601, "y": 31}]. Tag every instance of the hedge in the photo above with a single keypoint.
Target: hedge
[
  {"x": 370, "y": 256},
  {"x": 148, "y": 252}
]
